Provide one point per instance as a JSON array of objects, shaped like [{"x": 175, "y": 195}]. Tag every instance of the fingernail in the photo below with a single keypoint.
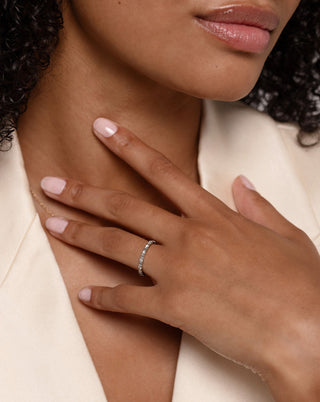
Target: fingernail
[
  {"x": 53, "y": 185},
  {"x": 85, "y": 294},
  {"x": 104, "y": 127},
  {"x": 57, "y": 225},
  {"x": 247, "y": 183}
]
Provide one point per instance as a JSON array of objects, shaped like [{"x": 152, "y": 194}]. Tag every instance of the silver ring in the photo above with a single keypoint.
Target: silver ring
[{"x": 142, "y": 256}]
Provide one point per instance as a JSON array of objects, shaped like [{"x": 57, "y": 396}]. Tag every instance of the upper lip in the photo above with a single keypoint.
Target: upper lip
[{"x": 259, "y": 17}]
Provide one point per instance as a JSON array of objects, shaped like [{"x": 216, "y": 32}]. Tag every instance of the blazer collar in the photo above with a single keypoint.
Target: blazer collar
[
  {"x": 239, "y": 140},
  {"x": 45, "y": 357},
  {"x": 16, "y": 203}
]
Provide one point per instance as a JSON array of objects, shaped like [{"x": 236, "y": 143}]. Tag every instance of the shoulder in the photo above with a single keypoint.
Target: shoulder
[
  {"x": 244, "y": 118},
  {"x": 237, "y": 139},
  {"x": 237, "y": 120}
]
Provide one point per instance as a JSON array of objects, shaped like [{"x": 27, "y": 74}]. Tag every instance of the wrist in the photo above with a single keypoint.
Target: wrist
[
  {"x": 295, "y": 384},
  {"x": 292, "y": 370}
]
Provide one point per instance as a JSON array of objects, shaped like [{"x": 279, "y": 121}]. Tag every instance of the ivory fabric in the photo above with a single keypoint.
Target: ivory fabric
[{"x": 43, "y": 356}]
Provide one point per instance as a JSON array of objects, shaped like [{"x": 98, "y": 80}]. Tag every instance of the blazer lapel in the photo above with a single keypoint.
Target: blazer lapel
[
  {"x": 14, "y": 203},
  {"x": 43, "y": 353},
  {"x": 239, "y": 140}
]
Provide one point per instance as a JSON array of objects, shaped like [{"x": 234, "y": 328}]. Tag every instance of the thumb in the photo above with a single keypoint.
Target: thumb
[{"x": 253, "y": 206}]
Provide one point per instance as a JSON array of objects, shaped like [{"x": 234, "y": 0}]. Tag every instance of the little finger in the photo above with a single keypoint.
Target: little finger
[{"x": 130, "y": 299}]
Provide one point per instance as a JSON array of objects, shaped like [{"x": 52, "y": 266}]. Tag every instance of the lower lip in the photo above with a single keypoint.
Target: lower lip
[{"x": 240, "y": 37}]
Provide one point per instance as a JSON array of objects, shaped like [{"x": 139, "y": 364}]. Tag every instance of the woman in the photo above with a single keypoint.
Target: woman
[{"x": 244, "y": 285}]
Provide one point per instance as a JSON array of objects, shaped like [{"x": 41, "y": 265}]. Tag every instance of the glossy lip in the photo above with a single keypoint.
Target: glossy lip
[
  {"x": 262, "y": 18},
  {"x": 242, "y": 27}
]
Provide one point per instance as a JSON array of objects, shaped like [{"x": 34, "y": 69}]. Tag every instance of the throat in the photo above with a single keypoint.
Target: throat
[{"x": 74, "y": 152}]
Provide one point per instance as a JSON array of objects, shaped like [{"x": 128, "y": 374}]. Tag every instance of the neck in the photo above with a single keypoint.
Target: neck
[{"x": 85, "y": 83}]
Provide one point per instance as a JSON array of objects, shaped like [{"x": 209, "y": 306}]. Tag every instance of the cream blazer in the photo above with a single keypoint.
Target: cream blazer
[{"x": 43, "y": 356}]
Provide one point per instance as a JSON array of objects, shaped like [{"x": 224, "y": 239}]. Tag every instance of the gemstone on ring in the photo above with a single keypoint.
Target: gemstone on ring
[{"x": 142, "y": 256}]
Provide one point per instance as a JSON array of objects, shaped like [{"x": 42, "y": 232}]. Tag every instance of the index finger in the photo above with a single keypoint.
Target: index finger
[{"x": 158, "y": 170}]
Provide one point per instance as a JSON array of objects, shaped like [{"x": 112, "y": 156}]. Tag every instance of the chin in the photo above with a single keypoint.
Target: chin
[
  {"x": 226, "y": 95},
  {"x": 226, "y": 90},
  {"x": 223, "y": 80}
]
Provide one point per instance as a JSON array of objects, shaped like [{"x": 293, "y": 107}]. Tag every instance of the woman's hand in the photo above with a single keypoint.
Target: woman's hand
[{"x": 245, "y": 284}]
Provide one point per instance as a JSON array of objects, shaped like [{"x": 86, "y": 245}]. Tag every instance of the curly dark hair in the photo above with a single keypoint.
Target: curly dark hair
[
  {"x": 289, "y": 86},
  {"x": 288, "y": 89},
  {"x": 29, "y": 32}
]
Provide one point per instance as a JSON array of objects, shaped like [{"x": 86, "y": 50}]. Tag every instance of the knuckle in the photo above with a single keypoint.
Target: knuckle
[
  {"x": 73, "y": 231},
  {"x": 258, "y": 200},
  {"x": 110, "y": 240},
  {"x": 186, "y": 234},
  {"x": 118, "y": 202},
  {"x": 205, "y": 202},
  {"x": 160, "y": 166},
  {"x": 236, "y": 225},
  {"x": 203, "y": 234},
  {"x": 124, "y": 140},
  {"x": 119, "y": 297},
  {"x": 97, "y": 298},
  {"x": 256, "y": 205},
  {"x": 199, "y": 235},
  {"x": 75, "y": 192}
]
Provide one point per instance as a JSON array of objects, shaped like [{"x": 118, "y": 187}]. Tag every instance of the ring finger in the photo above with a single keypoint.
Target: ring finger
[{"x": 110, "y": 242}]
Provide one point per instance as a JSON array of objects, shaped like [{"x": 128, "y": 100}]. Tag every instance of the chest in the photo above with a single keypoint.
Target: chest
[{"x": 135, "y": 357}]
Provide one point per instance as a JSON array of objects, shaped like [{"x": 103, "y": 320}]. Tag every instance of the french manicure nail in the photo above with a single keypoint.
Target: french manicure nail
[
  {"x": 53, "y": 185},
  {"x": 57, "y": 225},
  {"x": 104, "y": 127},
  {"x": 85, "y": 294},
  {"x": 247, "y": 183}
]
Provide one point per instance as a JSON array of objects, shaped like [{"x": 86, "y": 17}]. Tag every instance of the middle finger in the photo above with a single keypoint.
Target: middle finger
[{"x": 119, "y": 207}]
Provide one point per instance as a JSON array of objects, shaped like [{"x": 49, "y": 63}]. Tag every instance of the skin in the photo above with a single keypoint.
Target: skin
[
  {"x": 106, "y": 48},
  {"x": 224, "y": 311},
  {"x": 110, "y": 63}
]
